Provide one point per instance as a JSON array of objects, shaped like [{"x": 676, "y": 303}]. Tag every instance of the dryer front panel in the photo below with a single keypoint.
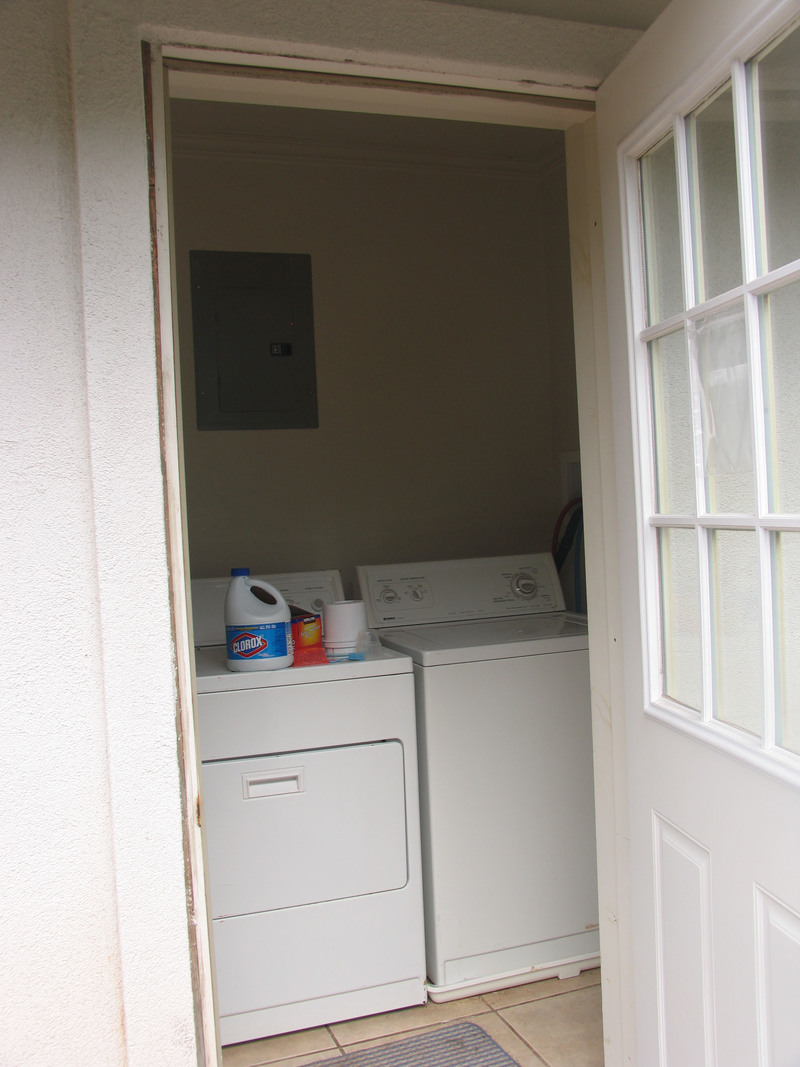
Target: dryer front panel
[{"x": 305, "y": 827}]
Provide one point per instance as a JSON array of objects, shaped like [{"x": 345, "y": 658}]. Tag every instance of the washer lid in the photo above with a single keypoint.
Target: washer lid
[{"x": 476, "y": 641}]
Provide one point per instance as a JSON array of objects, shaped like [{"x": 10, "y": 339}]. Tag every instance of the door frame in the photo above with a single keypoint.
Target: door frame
[
  {"x": 385, "y": 90},
  {"x": 603, "y": 590}
]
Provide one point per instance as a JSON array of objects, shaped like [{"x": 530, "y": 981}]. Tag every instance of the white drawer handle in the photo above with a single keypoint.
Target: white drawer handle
[{"x": 260, "y": 784}]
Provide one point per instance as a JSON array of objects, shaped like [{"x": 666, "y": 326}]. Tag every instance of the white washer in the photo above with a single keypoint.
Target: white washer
[
  {"x": 505, "y": 750},
  {"x": 311, "y": 816}
]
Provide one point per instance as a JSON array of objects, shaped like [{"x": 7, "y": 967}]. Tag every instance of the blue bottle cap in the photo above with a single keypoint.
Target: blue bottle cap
[{"x": 240, "y": 572}]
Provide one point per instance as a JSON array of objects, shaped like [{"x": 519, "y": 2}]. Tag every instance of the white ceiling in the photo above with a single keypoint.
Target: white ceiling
[{"x": 623, "y": 14}]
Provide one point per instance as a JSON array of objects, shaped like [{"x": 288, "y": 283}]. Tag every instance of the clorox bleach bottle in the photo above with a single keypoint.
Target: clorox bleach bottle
[{"x": 258, "y": 625}]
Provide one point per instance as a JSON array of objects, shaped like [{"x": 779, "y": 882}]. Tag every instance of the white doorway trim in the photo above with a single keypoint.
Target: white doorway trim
[
  {"x": 202, "y": 73},
  {"x": 336, "y": 81},
  {"x": 177, "y": 547}
]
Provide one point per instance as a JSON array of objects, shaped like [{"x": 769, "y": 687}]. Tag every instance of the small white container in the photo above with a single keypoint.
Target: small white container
[
  {"x": 258, "y": 628},
  {"x": 342, "y": 622}
]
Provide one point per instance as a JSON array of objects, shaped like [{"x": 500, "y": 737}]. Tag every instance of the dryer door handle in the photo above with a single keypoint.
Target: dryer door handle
[{"x": 256, "y": 784}]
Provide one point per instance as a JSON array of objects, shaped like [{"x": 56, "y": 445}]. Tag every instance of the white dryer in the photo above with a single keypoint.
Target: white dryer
[
  {"x": 311, "y": 816},
  {"x": 505, "y": 750}
]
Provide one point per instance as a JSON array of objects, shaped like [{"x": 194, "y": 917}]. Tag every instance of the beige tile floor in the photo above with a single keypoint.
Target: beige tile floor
[{"x": 555, "y": 1023}]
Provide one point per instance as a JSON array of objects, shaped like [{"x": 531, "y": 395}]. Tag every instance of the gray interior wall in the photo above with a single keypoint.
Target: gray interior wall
[
  {"x": 558, "y": 287},
  {"x": 445, "y": 364}
]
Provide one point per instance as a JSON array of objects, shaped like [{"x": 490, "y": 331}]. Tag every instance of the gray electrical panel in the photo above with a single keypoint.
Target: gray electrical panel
[{"x": 253, "y": 325}]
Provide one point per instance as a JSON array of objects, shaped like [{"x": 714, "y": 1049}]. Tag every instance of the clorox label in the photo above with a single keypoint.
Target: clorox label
[
  {"x": 263, "y": 641},
  {"x": 248, "y": 645}
]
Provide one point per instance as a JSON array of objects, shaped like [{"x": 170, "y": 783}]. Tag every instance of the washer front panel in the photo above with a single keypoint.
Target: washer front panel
[
  {"x": 452, "y": 590},
  {"x": 508, "y": 816}
]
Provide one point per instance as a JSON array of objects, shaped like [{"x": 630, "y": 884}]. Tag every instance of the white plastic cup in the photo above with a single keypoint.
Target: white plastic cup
[{"x": 342, "y": 622}]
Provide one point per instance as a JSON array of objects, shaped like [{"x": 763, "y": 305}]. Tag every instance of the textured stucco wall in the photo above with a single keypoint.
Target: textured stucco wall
[
  {"x": 59, "y": 935},
  {"x": 94, "y": 920}
]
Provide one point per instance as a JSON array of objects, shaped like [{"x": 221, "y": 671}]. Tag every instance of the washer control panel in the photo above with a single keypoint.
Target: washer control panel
[{"x": 452, "y": 590}]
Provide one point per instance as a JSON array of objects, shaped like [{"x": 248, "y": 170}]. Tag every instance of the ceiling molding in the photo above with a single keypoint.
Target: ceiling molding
[{"x": 513, "y": 104}]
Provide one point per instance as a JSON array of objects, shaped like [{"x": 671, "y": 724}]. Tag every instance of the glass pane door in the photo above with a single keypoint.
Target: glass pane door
[{"x": 719, "y": 356}]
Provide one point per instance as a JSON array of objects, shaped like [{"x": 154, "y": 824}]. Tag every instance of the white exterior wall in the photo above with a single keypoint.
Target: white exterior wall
[
  {"x": 94, "y": 917},
  {"x": 59, "y": 936},
  {"x": 95, "y": 930}
]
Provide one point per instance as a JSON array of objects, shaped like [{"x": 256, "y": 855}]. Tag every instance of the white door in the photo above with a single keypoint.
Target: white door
[{"x": 699, "y": 148}]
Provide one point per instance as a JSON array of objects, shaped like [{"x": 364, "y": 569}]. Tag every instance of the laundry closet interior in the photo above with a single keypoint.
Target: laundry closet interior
[{"x": 442, "y": 335}]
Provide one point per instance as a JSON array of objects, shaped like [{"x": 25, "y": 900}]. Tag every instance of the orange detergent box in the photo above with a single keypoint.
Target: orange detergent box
[
  {"x": 306, "y": 630},
  {"x": 307, "y": 639}
]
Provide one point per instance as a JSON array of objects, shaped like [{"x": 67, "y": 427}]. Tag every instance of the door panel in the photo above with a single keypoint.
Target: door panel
[
  {"x": 685, "y": 974},
  {"x": 708, "y": 818}
]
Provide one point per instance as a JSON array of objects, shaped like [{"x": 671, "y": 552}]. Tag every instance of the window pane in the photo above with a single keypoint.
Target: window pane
[
  {"x": 776, "y": 87},
  {"x": 672, "y": 425},
  {"x": 715, "y": 202},
  {"x": 786, "y": 595},
  {"x": 724, "y": 384},
  {"x": 780, "y": 340},
  {"x": 736, "y": 629},
  {"x": 662, "y": 239},
  {"x": 681, "y": 658}
]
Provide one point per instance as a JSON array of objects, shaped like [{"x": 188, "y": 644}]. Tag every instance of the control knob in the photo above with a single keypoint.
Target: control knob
[{"x": 523, "y": 586}]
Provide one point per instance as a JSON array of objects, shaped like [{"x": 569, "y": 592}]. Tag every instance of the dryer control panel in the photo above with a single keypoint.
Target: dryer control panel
[
  {"x": 310, "y": 590},
  {"x": 456, "y": 590}
]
